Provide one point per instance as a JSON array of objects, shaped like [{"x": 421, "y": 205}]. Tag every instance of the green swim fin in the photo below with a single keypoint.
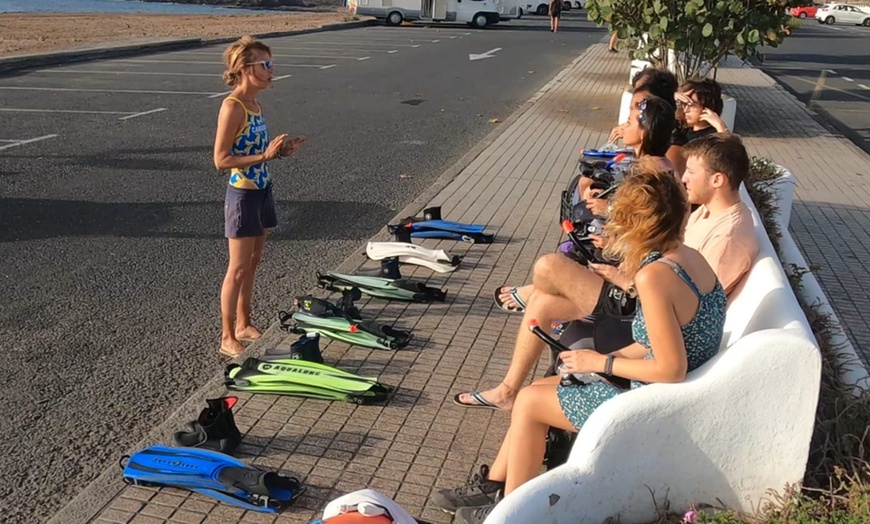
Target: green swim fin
[{"x": 288, "y": 376}]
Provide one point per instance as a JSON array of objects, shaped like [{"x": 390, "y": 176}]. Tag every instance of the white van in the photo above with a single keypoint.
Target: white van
[
  {"x": 510, "y": 9},
  {"x": 476, "y": 13}
]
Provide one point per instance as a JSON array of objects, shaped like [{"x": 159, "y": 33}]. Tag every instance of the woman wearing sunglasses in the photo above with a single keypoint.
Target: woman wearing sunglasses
[{"x": 242, "y": 146}]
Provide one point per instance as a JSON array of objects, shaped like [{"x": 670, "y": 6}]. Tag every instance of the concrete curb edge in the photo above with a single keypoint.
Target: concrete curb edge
[
  {"x": 15, "y": 63},
  {"x": 100, "y": 492}
]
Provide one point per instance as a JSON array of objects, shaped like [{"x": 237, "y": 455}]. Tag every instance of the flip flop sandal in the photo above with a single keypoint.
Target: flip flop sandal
[
  {"x": 515, "y": 296},
  {"x": 227, "y": 353},
  {"x": 478, "y": 398}
]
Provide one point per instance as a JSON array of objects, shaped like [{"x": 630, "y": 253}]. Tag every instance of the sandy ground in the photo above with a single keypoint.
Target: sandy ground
[{"x": 22, "y": 34}]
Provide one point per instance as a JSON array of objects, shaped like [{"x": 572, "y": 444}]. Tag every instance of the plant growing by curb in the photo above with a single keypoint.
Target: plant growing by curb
[{"x": 701, "y": 33}]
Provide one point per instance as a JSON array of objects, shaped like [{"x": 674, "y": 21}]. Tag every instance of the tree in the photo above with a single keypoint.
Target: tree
[{"x": 701, "y": 33}]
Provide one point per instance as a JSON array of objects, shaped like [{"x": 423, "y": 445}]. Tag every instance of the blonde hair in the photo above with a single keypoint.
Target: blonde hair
[
  {"x": 649, "y": 213},
  {"x": 238, "y": 54}
]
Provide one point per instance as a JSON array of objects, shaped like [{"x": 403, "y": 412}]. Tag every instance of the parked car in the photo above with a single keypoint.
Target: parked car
[
  {"x": 843, "y": 14},
  {"x": 580, "y": 4},
  {"x": 807, "y": 11}
]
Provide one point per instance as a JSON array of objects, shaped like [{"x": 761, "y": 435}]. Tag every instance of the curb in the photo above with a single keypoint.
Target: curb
[
  {"x": 15, "y": 63},
  {"x": 100, "y": 492}
]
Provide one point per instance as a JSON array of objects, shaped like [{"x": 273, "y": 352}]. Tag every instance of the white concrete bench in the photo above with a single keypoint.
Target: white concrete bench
[{"x": 737, "y": 427}]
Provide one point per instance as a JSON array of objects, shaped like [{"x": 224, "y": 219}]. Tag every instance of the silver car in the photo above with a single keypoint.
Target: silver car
[{"x": 844, "y": 14}]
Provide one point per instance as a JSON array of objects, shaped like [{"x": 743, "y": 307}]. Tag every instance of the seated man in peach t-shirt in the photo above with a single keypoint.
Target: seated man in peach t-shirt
[{"x": 721, "y": 229}]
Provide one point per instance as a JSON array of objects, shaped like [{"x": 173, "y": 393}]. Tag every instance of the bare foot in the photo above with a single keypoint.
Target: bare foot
[
  {"x": 231, "y": 347},
  {"x": 248, "y": 334},
  {"x": 500, "y": 396}
]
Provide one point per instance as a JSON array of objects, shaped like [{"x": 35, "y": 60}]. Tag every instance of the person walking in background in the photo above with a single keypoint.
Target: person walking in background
[
  {"x": 614, "y": 38},
  {"x": 555, "y": 14},
  {"x": 242, "y": 146}
]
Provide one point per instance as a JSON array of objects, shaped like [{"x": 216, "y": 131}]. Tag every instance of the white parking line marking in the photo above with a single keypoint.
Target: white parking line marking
[
  {"x": 328, "y": 66},
  {"x": 221, "y": 63},
  {"x": 381, "y": 40},
  {"x": 135, "y": 115},
  {"x": 353, "y": 43},
  {"x": 363, "y": 58},
  {"x": 863, "y": 86},
  {"x": 128, "y": 91},
  {"x": 155, "y": 73},
  {"x": 393, "y": 51},
  {"x": 163, "y": 62},
  {"x": 16, "y": 143},
  {"x": 88, "y": 72},
  {"x": 274, "y": 79},
  {"x": 282, "y": 55},
  {"x": 71, "y": 111},
  {"x": 435, "y": 41},
  {"x": 847, "y": 79}
]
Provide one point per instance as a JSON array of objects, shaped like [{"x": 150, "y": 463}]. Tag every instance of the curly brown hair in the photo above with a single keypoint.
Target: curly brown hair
[
  {"x": 649, "y": 213},
  {"x": 238, "y": 55}
]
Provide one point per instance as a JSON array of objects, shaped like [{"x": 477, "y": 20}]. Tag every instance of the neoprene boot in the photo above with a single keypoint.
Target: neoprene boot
[{"x": 215, "y": 429}]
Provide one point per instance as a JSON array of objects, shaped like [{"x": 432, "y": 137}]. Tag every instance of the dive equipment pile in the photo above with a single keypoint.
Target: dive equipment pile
[{"x": 202, "y": 460}]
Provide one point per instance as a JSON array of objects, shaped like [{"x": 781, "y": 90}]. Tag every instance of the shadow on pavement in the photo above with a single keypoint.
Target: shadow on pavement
[{"x": 31, "y": 219}]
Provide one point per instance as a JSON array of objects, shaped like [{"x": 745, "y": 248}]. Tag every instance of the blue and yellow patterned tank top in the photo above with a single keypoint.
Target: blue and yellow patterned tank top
[{"x": 253, "y": 139}]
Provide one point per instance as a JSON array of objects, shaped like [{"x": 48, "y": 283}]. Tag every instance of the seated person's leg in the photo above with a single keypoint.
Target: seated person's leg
[
  {"x": 522, "y": 451},
  {"x": 575, "y": 297}
]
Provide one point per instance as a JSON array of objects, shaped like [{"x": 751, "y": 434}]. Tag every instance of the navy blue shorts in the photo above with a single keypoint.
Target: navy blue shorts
[{"x": 248, "y": 212}]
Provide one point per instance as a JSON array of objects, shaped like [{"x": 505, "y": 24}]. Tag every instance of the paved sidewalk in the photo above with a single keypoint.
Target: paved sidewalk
[
  {"x": 830, "y": 218},
  {"x": 420, "y": 441}
]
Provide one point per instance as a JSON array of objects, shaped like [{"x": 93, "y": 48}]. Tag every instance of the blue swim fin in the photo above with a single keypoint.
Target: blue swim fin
[
  {"x": 446, "y": 225},
  {"x": 214, "y": 474},
  {"x": 471, "y": 238}
]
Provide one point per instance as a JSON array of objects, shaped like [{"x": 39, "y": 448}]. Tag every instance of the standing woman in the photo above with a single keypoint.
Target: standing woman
[
  {"x": 555, "y": 14},
  {"x": 242, "y": 146}
]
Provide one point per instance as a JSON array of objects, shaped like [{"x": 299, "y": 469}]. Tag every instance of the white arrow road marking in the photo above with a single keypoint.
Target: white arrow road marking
[
  {"x": 488, "y": 54},
  {"x": 16, "y": 143}
]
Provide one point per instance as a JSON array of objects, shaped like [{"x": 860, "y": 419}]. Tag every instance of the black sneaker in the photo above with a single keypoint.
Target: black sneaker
[
  {"x": 474, "y": 515},
  {"x": 478, "y": 491}
]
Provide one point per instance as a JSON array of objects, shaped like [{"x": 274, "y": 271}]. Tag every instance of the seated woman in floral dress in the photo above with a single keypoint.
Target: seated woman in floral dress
[{"x": 678, "y": 327}]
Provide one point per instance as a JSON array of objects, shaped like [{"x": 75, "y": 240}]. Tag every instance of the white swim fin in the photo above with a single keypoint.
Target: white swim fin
[{"x": 436, "y": 260}]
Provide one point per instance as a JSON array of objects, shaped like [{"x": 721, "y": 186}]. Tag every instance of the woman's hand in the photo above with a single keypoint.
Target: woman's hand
[
  {"x": 597, "y": 206},
  {"x": 275, "y": 147},
  {"x": 616, "y": 134},
  {"x": 292, "y": 146},
  {"x": 582, "y": 361},
  {"x": 710, "y": 116},
  {"x": 597, "y": 241},
  {"x": 611, "y": 274}
]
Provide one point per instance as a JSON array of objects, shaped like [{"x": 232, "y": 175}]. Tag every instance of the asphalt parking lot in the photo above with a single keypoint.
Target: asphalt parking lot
[{"x": 112, "y": 239}]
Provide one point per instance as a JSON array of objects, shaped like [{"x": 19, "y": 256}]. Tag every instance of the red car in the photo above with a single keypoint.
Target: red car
[{"x": 808, "y": 11}]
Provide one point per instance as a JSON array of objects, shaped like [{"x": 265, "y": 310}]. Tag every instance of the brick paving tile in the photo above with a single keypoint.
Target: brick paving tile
[{"x": 420, "y": 441}]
